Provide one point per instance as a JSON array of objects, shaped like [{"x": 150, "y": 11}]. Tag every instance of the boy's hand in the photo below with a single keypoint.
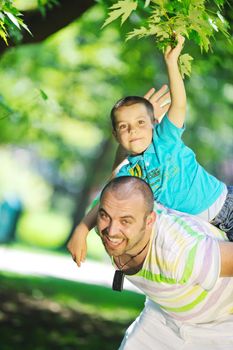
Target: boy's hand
[
  {"x": 160, "y": 100},
  {"x": 172, "y": 54},
  {"x": 77, "y": 245}
]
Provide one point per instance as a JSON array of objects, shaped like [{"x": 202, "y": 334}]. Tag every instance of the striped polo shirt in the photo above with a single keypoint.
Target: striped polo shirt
[{"x": 182, "y": 267}]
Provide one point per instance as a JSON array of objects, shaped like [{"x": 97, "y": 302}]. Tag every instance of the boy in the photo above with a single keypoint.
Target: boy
[{"x": 159, "y": 156}]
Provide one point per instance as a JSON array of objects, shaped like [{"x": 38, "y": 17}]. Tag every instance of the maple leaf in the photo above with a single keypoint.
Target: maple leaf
[
  {"x": 185, "y": 64},
  {"x": 140, "y": 32},
  {"x": 122, "y": 8}
]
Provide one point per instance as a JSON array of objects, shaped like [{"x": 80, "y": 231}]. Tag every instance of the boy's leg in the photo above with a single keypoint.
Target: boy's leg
[{"x": 224, "y": 219}]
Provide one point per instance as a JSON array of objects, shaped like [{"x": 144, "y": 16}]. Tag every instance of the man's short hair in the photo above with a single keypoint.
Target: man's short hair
[
  {"x": 129, "y": 101},
  {"x": 124, "y": 186}
]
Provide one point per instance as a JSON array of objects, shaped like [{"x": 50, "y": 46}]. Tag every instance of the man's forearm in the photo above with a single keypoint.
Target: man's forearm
[{"x": 90, "y": 219}]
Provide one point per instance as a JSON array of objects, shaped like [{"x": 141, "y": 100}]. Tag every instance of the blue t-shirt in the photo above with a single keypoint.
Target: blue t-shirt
[{"x": 177, "y": 180}]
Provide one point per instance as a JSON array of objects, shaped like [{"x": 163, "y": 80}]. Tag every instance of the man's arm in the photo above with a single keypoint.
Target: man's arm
[
  {"x": 226, "y": 253},
  {"x": 77, "y": 244},
  {"x": 177, "y": 110}
]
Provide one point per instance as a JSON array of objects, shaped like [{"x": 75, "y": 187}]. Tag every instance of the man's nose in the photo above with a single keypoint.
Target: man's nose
[{"x": 113, "y": 228}]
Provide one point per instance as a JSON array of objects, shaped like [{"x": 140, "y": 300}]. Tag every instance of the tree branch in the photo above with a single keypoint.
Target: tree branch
[{"x": 58, "y": 17}]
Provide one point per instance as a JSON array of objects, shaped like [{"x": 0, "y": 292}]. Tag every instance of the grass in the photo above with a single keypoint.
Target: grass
[{"x": 43, "y": 313}]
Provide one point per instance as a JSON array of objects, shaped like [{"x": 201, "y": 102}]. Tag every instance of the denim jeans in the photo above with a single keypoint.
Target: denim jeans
[{"x": 224, "y": 219}]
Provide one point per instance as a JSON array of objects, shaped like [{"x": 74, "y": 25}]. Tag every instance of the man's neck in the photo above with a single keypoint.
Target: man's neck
[{"x": 131, "y": 264}]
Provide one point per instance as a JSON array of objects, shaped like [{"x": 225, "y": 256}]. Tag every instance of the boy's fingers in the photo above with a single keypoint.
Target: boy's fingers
[
  {"x": 156, "y": 96},
  {"x": 149, "y": 93},
  {"x": 159, "y": 95},
  {"x": 180, "y": 39},
  {"x": 167, "y": 50},
  {"x": 166, "y": 98}
]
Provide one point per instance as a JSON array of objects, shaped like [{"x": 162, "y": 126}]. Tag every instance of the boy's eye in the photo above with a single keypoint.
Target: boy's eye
[
  {"x": 141, "y": 122},
  {"x": 122, "y": 126}
]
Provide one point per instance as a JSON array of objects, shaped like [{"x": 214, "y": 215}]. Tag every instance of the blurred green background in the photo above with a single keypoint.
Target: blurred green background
[{"x": 56, "y": 151}]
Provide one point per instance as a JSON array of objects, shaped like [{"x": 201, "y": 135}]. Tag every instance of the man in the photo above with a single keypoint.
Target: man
[{"x": 181, "y": 263}]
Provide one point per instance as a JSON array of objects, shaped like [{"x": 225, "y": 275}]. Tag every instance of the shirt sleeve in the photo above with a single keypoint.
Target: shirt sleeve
[
  {"x": 166, "y": 130},
  {"x": 123, "y": 171},
  {"x": 190, "y": 256}
]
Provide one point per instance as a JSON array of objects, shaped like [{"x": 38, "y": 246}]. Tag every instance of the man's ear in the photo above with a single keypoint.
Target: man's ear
[{"x": 150, "y": 220}]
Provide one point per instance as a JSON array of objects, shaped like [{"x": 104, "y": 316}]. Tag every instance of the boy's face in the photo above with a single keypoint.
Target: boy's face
[{"x": 134, "y": 128}]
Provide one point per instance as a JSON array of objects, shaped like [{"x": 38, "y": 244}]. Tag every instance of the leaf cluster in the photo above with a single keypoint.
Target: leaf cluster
[
  {"x": 10, "y": 20},
  {"x": 163, "y": 19}
]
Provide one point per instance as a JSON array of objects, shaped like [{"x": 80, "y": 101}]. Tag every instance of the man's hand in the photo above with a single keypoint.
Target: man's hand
[
  {"x": 77, "y": 245},
  {"x": 160, "y": 100}
]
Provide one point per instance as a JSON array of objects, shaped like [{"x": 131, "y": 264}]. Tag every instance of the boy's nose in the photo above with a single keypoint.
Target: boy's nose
[{"x": 132, "y": 130}]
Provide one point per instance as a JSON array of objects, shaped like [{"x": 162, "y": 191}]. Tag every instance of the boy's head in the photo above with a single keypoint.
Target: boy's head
[{"x": 132, "y": 121}]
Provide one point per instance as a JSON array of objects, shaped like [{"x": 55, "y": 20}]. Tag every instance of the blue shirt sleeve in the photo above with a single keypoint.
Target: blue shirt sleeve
[
  {"x": 167, "y": 131},
  {"x": 124, "y": 171}
]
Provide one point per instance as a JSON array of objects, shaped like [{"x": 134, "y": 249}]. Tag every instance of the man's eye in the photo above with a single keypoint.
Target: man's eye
[
  {"x": 103, "y": 215},
  {"x": 125, "y": 222},
  {"x": 141, "y": 122}
]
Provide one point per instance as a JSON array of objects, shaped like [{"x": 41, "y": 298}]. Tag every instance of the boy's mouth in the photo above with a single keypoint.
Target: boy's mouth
[{"x": 136, "y": 139}]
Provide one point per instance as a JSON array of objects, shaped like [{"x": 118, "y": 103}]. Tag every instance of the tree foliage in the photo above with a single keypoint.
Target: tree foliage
[
  {"x": 56, "y": 95},
  {"x": 10, "y": 20},
  {"x": 162, "y": 19}
]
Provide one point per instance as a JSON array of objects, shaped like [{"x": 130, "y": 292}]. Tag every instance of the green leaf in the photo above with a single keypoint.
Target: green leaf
[
  {"x": 26, "y": 28},
  {"x": 122, "y": 8},
  {"x": 13, "y": 19},
  {"x": 3, "y": 36},
  {"x": 147, "y": 3},
  {"x": 43, "y": 95},
  {"x": 140, "y": 32},
  {"x": 185, "y": 64}
]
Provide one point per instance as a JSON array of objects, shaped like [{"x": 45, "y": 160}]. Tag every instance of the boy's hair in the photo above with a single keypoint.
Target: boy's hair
[{"x": 129, "y": 101}]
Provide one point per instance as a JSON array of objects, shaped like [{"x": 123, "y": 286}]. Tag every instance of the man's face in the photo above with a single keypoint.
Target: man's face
[
  {"x": 123, "y": 224},
  {"x": 133, "y": 128}
]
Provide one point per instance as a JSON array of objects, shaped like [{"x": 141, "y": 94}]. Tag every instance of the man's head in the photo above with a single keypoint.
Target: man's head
[
  {"x": 125, "y": 215},
  {"x": 132, "y": 121}
]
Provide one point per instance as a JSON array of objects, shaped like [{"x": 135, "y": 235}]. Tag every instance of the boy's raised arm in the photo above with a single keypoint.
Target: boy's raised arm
[{"x": 177, "y": 110}]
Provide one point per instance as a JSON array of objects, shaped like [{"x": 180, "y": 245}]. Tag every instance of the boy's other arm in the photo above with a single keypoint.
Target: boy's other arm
[
  {"x": 160, "y": 101},
  {"x": 177, "y": 110},
  {"x": 77, "y": 244},
  {"x": 226, "y": 253},
  {"x": 120, "y": 156}
]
